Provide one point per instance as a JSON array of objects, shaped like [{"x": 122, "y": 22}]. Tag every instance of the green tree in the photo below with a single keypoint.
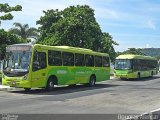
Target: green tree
[
  {"x": 74, "y": 26},
  {"x": 108, "y": 45},
  {"x": 158, "y": 57},
  {"x": 6, "y": 9},
  {"x": 23, "y": 31},
  {"x": 133, "y": 51},
  {"x": 6, "y": 38}
]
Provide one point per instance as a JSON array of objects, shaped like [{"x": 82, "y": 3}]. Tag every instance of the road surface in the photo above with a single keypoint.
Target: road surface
[{"x": 110, "y": 97}]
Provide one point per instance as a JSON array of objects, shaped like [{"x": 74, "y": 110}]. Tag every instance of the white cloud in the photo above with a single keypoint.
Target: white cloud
[
  {"x": 151, "y": 24},
  {"x": 33, "y": 10},
  {"x": 37, "y": 6},
  {"x": 148, "y": 46}
]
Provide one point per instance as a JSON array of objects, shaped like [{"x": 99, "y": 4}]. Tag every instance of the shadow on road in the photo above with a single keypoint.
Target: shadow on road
[
  {"x": 141, "y": 79},
  {"x": 64, "y": 90}
]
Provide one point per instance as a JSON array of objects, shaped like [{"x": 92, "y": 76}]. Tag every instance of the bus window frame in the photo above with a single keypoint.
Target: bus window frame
[{"x": 36, "y": 64}]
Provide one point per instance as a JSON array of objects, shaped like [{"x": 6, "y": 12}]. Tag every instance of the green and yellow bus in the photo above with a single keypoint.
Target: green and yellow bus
[
  {"x": 135, "y": 66},
  {"x": 41, "y": 66}
]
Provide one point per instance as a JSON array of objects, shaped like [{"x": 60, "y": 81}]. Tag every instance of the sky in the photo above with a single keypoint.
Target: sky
[{"x": 131, "y": 23}]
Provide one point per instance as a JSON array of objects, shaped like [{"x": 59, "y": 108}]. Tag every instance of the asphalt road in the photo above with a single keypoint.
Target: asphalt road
[{"x": 109, "y": 97}]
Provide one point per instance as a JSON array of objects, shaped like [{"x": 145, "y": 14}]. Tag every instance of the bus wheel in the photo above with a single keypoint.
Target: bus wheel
[
  {"x": 122, "y": 78},
  {"x": 139, "y": 76},
  {"x": 72, "y": 85},
  {"x": 50, "y": 85},
  {"x": 27, "y": 89},
  {"x": 152, "y": 74},
  {"x": 92, "y": 81}
]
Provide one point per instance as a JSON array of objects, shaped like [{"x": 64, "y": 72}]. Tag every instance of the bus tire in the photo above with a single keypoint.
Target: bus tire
[
  {"x": 72, "y": 85},
  {"x": 152, "y": 74},
  {"x": 27, "y": 89},
  {"x": 92, "y": 81},
  {"x": 139, "y": 76},
  {"x": 122, "y": 78},
  {"x": 50, "y": 84}
]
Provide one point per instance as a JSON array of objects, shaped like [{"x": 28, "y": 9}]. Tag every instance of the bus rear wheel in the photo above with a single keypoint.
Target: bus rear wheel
[
  {"x": 152, "y": 74},
  {"x": 27, "y": 89},
  {"x": 92, "y": 81},
  {"x": 139, "y": 76},
  {"x": 50, "y": 85}
]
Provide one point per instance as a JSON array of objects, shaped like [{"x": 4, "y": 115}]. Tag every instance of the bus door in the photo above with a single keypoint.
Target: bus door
[
  {"x": 80, "y": 69},
  {"x": 39, "y": 66},
  {"x": 106, "y": 67},
  {"x": 67, "y": 70}
]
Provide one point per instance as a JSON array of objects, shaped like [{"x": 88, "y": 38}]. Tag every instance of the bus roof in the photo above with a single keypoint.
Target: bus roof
[
  {"x": 61, "y": 48},
  {"x": 132, "y": 56},
  {"x": 21, "y": 44},
  {"x": 70, "y": 49}
]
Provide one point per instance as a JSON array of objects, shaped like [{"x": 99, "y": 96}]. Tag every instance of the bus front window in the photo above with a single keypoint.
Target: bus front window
[
  {"x": 123, "y": 64},
  {"x": 16, "y": 63}
]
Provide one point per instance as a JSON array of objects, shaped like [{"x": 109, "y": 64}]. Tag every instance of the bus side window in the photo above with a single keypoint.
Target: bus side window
[
  {"x": 134, "y": 66},
  {"x": 79, "y": 59},
  {"x": 68, "y": 59},
  {"x": 39, "y": 61},
  {"x": 105, "y": 61},
  {"x": 54, "y": 58},
  {"x": 98, "y": 61},
  {"x": 89, "y": 60}
]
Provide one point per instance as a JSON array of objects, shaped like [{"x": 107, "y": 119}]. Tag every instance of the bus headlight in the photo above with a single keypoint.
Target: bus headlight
[{"x": 25, "y": 76}]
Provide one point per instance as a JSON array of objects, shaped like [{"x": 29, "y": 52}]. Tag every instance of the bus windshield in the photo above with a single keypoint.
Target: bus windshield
[
  {"x": 16, "y": 62},
  {"x": 123, "y": 64}
]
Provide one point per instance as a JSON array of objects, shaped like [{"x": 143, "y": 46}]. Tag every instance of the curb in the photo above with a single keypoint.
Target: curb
[{"x": 6, "y": 88}]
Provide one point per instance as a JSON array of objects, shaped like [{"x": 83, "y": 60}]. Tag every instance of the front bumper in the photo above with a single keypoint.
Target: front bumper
[
  {"x": 15, "y": 83},
  {"x": 128, "y": 76}
]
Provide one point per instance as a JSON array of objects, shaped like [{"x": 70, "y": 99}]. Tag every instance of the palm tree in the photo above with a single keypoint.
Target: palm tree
[{"x": 24, "y": 31}]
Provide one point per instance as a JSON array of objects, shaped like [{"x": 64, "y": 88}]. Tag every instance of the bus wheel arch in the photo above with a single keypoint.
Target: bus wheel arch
[
  {"x": 52, "y": 80},
  {"x": 92, "y": 80}
]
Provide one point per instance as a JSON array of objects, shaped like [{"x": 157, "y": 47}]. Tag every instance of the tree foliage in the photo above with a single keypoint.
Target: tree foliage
[
  {"x": 155, "y": 52},
  {"x": 74, "y": 26},
  {"x": 6, "y": 38},
  {"x": 107, "y": 45},
  {"x": 24, "y": 31},
  {"x": 133, "y": 51},
  {"x": 6, "y": 9}
]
